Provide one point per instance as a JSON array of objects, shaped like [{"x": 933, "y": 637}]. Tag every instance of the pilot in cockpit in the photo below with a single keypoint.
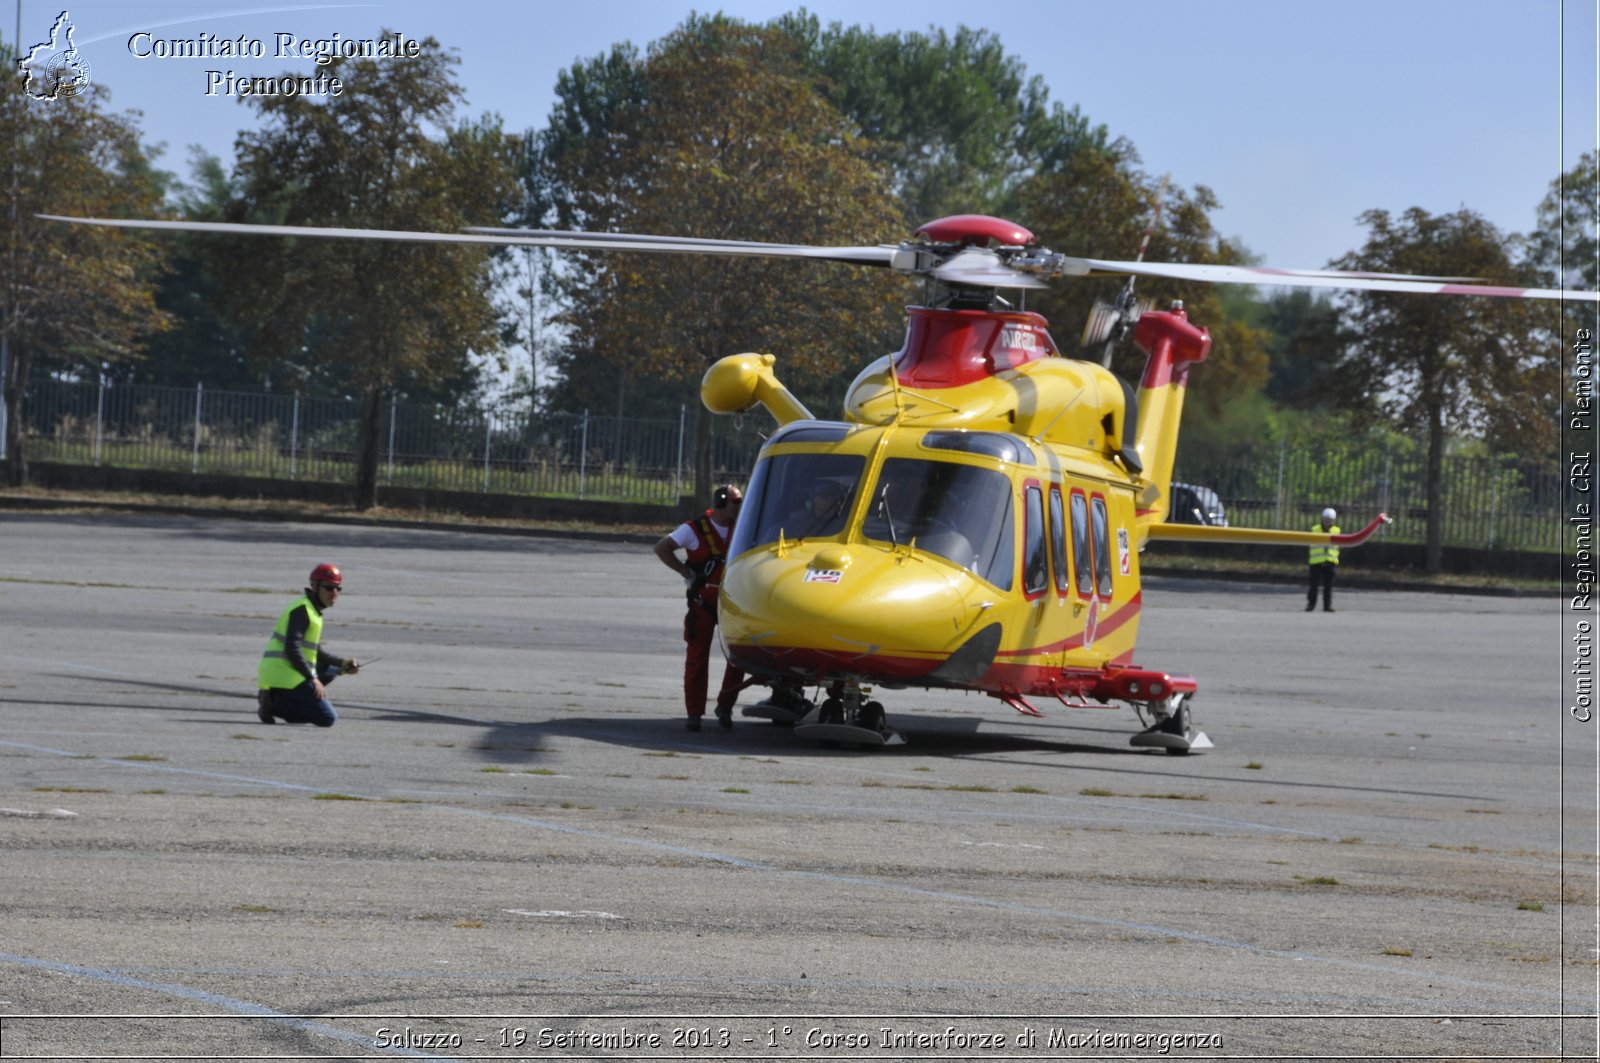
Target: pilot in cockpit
[{"x": 823, "y": 513}]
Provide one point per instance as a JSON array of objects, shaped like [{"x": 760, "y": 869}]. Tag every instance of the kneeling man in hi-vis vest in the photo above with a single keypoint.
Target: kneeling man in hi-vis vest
[
  {"x": 295, "y": 670},
  {"x": 1324, "y": 563},
  {"x": 705, "y": 540}
]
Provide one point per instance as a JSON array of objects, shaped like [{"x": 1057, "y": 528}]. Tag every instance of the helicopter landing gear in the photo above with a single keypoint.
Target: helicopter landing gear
[
  {"x": 846, "y": 717},
  {"x": 787, "y": 704},
  {"x": 1172, "y": 728}
]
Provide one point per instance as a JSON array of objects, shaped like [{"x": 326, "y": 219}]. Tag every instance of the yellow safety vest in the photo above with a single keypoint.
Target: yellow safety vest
[
  {"x": 275, "y": 671},
  {"x": 1325, "y": 555}
]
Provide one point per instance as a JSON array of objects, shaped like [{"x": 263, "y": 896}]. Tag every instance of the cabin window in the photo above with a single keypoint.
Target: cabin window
[
  {"x": 1083, "y": 570},
  {"x": 1058, "y": 541},
  {"x": 962, "y": 513},
  {"x": 989, "y": 444},
  {"x": 799, "y": 495},
  {"x": 1102, "y": 548},
  {"x": 810, "y": 432},
  {"x": 1035, "y": 562}
]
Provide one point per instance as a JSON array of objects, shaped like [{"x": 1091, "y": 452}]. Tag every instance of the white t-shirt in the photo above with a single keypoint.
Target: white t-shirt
[{"x": 685, "y": 536}]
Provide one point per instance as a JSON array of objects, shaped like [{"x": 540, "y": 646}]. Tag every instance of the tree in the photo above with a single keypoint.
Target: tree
[
  {"x": 1099, "y": 204},
  {"x": 380, "y": 155},
  {"x": 956, "y": 119},
  {"x": 717, "y": 133},
  {"x": 1441, "y": 365},
  {"x": 204, "y": 345},
  {"x": 79, "y": 295},
  {"x": 1565, "y": 244}
]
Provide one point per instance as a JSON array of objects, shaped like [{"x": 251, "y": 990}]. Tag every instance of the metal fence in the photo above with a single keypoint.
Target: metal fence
[
  {"x": 293, "y": 437},
  {"x": 1489, "y": 503}
]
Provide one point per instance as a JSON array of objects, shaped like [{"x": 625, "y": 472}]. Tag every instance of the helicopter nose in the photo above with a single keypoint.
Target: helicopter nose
[{"x": 844, "y": 610}]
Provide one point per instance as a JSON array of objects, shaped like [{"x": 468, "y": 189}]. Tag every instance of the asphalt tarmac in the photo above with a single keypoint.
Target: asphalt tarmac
[{"x": 510, "y": 848}]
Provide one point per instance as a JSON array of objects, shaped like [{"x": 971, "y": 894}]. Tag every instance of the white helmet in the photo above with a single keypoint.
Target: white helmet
[{"x": 1329, "y": 514}]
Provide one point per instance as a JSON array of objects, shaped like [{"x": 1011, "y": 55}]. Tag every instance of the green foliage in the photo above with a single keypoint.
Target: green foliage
[
  {"x": 382, "y": 155},
  {"x": 954, "y": 118},
  {"x": 1456, "y": 365},
  {"x": 1564, "y": 244},
  {"x": 1441, "y": 367},
  {"x": 205, "y": 345},
  {"x": 71, "y": 297},
  {"x": 1100, "y": 205},
  {"x": 1304, "y": 351},
  {"x": 718, "y": 133}
]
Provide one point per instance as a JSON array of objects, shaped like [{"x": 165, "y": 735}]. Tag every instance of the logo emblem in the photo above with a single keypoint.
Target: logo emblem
[
  {"x": 823, "y": 575},
  {"x": 55, "y": 69}
]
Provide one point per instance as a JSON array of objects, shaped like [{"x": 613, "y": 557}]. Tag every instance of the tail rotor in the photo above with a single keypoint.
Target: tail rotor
[{"x": 1109, "y": 323}]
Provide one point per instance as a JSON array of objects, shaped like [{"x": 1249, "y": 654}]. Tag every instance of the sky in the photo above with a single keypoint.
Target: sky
[{"x": 1298, "y": 116}]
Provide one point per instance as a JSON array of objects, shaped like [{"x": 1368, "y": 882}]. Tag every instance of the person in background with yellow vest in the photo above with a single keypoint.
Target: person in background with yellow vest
[
  {"x": 295, "y": 670},
  {"x": 705, "y": 542},
  {"x": 1324, "y": 563}
]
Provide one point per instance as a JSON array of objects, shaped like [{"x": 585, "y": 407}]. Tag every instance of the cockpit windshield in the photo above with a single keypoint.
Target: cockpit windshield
[
  {"x": 803, "y": 496},
  {"x": 960, "y": 512}
]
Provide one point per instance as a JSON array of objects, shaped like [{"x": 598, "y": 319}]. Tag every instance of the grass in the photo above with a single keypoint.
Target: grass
[{"x": 257, "y": 456}]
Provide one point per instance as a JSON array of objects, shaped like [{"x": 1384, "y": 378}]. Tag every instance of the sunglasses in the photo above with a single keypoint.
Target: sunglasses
[
  {"x": 733, "y": 501},
  {"x": 334, "y": 587}
]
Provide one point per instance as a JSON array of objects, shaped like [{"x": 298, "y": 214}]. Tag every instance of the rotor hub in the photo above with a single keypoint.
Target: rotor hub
[{"x": 975, "y": 230}]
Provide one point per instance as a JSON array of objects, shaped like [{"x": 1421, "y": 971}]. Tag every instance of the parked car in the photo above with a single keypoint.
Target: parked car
[{"x": 1192, "y": 504}]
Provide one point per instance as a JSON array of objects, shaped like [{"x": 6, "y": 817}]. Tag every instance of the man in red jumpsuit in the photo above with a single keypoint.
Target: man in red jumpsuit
[{"x": 705, "y": 540}]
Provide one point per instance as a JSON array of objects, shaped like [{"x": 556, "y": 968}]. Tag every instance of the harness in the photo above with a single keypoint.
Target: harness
[{"x": 707, "y": 561}]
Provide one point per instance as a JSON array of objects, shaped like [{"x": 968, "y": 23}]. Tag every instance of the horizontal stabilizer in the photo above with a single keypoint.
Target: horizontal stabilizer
[{"x": 1201, "y": 533}]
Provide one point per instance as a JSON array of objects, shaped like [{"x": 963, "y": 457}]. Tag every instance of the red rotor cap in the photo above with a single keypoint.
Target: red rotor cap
[
  {"x": 981, "y": 229},
  {"x": 326, "y": 573}
]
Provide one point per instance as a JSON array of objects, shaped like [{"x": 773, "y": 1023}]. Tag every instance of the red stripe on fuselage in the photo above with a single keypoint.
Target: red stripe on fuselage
[{"x": 1107, "y": 627}]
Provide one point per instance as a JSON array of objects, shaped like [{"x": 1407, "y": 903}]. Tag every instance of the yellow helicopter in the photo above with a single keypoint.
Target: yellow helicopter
[{"x": 975, "y": 519}]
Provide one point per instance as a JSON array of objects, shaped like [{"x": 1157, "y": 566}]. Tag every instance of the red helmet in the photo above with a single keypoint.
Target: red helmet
[{"x": 326, "y": 573}]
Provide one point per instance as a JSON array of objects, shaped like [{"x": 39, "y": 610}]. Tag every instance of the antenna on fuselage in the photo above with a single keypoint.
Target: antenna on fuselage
[{"x": 899, "y": 399}]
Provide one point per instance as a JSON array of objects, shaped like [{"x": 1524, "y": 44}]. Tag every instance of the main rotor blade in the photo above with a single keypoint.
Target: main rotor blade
[
  {"x": 1266, "y": 277},
  {"x": 574, "y": 241},
  {"x": 974, "y": 267},
  {"x": 690, "y": 244},
  {"x": 686, "y": 245}
]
